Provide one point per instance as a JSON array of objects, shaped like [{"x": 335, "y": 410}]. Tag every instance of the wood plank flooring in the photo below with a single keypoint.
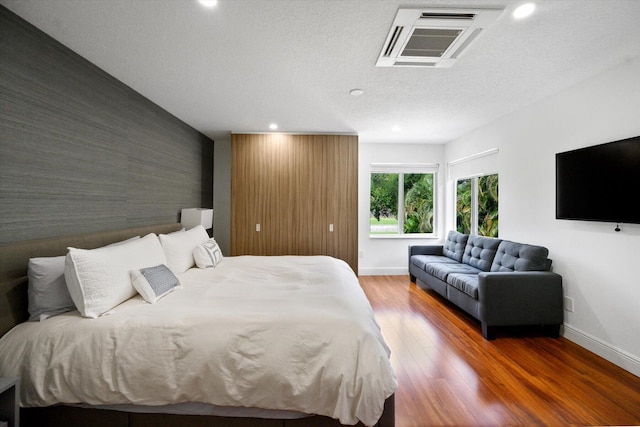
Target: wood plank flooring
[{"x": 448, "y": 375}]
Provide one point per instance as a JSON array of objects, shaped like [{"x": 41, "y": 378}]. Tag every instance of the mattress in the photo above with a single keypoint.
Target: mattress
[{"x": 287, "y": 333}]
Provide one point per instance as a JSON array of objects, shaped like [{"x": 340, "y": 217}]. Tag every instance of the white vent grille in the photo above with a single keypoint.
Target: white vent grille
[
  {"x": 433, "y": 37},
  {"x": 447, "y": 15}
]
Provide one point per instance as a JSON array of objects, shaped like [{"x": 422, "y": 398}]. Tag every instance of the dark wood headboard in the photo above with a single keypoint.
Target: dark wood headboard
[{"x": 14, "y": 259}]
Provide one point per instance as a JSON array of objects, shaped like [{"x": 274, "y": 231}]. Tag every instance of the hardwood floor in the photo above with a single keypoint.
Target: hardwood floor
[{"x": 448, "y": 375}]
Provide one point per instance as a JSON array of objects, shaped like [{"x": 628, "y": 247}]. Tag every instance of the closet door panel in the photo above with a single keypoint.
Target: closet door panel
[
  {"x": 311, "y": 217},
  {"x": 278, "y": 186},
  {"x": 263, "y": 194},
  {"x": 342, "y": 198},
  {"x": 247, "y": 204}
]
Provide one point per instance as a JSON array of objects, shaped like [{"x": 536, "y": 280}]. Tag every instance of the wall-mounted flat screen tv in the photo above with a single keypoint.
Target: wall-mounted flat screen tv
[{"x": 600, "y": 183}]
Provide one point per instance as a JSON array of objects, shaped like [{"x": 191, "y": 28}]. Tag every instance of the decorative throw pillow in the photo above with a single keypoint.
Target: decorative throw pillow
[
  {"x": 99, "y": 279},
  {"x": 207, "y": 254},
  {"x": 152, "y": 283},
  {"x": 47, "y": 290},
  {"x": 178, "y": 247}
]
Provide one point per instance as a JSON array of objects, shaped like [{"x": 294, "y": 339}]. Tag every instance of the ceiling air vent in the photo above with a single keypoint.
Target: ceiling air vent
[{"x": 433, "y": 37}]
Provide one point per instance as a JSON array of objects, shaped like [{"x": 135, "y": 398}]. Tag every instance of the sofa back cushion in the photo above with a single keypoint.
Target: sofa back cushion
[
  {"x": 454, "y": 245},
  {"x": 480, "y": 251},
  {"x": 513, "y": 256}
]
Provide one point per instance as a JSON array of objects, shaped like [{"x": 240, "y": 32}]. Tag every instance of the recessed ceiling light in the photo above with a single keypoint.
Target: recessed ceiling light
[
  {"x": 356, "y": 92},
  {"x": 273, "y": 126},
  {"x": 208, "y": 3},
  {"x": 524, "y": 10},
  {"x": 396, "y": 128}
]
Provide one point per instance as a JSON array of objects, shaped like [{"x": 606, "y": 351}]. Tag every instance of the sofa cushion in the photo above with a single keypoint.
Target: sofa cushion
[
  {"x": 480, "y": 252},
  {"x": 442, "y": 270},
  {"x": 513, "y": 256},
  {"x": 454, "y": 245},
  {"x": 421, "y": 261},
  {"x": 467, "y": 283}
]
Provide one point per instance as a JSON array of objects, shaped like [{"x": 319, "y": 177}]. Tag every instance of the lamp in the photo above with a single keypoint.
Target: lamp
[{"x": 197, "y": 216}]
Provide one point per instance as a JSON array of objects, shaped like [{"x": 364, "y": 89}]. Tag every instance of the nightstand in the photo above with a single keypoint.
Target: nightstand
[{"x": 9, "y": 410}]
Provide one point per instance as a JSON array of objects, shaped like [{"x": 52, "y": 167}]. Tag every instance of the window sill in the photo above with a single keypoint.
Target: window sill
[{"x": 404, "y": 236}]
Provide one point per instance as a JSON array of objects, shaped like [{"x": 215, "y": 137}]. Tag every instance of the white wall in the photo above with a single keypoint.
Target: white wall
[
  {"x": 600, "y": 267},
  {"x": 389, "y": 255}
]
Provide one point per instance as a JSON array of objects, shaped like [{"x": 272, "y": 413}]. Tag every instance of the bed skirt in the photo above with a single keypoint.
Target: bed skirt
[{"x": 71, "y": 416}]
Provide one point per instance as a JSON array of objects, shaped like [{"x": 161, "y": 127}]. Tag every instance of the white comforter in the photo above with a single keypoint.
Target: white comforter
[{"x": 293, "y": 333}]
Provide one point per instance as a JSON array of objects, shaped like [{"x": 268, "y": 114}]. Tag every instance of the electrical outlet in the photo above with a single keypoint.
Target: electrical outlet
[
  {"x": 360, "y": 254},
  {"x": 568, "y": 304}
]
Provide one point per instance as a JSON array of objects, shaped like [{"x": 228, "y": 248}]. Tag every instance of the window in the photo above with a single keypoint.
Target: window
[
  {"x": 477, "y": 205},
  {"x": 402, "y": 200}
]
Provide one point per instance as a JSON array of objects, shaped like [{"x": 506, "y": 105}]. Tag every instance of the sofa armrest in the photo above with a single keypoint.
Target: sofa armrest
[
  {"x": 520, "y": 298},
  {"x": 425, "y": 250}
]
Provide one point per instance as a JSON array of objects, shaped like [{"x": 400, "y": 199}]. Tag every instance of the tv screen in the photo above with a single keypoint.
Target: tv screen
[{"x": 600, "y": 183}]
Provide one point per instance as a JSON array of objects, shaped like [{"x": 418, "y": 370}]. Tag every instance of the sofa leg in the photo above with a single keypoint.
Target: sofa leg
[
  {"x": 412, "y": 278},
  {"x": 552, "y": 331},
  {"x": 488, "y": 332}
]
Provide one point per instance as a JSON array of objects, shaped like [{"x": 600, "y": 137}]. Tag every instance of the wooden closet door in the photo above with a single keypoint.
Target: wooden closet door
[
  {"x": 278, "y": 185},
  {"x": 247, "y": 170},
  {"x": 310, "y": 202},
  {"x": 342, "y": 198},
  {"x": 295, "y": 187},
  {"x": 264, "y": 191}
]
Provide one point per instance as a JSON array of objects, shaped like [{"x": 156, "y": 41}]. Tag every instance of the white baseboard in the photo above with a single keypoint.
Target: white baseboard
[
  {"x": 603, "y": 349},
  {"x": 384, "y": 271}
]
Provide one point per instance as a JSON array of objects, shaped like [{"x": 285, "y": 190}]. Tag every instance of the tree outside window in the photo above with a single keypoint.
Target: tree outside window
[
  {"x": 402, "y": 203},
  {"x": 477, "y": 205},
  {"x": 463, "y": 206}
]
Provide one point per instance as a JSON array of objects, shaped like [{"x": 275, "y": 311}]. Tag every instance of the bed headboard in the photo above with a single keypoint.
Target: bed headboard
[{"x": 14, "y": 259}]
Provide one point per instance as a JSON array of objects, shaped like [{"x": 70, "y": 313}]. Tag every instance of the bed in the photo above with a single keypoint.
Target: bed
[{"x": 273, "y": 341}]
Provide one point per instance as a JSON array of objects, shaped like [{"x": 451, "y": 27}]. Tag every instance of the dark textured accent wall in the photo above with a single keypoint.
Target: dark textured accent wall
[{"x": 82, "y": 152}]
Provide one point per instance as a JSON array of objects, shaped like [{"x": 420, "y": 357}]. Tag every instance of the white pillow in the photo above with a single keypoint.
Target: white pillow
[
  {"x": 208, "y": 254},
  {"x": 123, "y": 241},
  {"x": 47, "y": 290},
  {"x": 182, "y": 230},
  {"x": 98, "y": 279},
  {"x": 152, "y": 283},
  {"x": 178, "y": 247}
]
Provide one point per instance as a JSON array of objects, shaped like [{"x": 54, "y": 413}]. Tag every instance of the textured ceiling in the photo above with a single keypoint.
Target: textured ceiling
[{"x": 248, "y": 63}]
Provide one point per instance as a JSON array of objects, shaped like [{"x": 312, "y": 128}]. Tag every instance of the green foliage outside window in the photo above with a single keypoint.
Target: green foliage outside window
[
  {"x": 487, "y": 189},
  {"x": 488, "y": 205},
  {"x": 384, "y": 195},
  {"x": 463, "y": 206},
  {"x": 416, "y": 211},
  {"x": 418, "y": 203}
]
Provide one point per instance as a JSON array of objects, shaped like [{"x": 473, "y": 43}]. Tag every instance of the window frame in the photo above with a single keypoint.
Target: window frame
[{"x": 401, "y": 169}]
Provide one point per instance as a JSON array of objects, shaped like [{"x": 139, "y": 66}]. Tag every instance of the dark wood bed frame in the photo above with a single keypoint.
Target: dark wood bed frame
[{"x": 14, "y": 258}]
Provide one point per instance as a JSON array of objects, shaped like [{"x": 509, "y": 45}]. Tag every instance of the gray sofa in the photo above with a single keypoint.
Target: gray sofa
[{"x": 499, "y": 282}]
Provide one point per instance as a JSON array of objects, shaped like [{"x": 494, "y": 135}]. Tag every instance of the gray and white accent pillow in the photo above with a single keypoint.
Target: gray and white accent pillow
[
  {"x": 152, "y": 283},
  {"x": 47, "y": 289},
  {"x": 208, "y": 254}
]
